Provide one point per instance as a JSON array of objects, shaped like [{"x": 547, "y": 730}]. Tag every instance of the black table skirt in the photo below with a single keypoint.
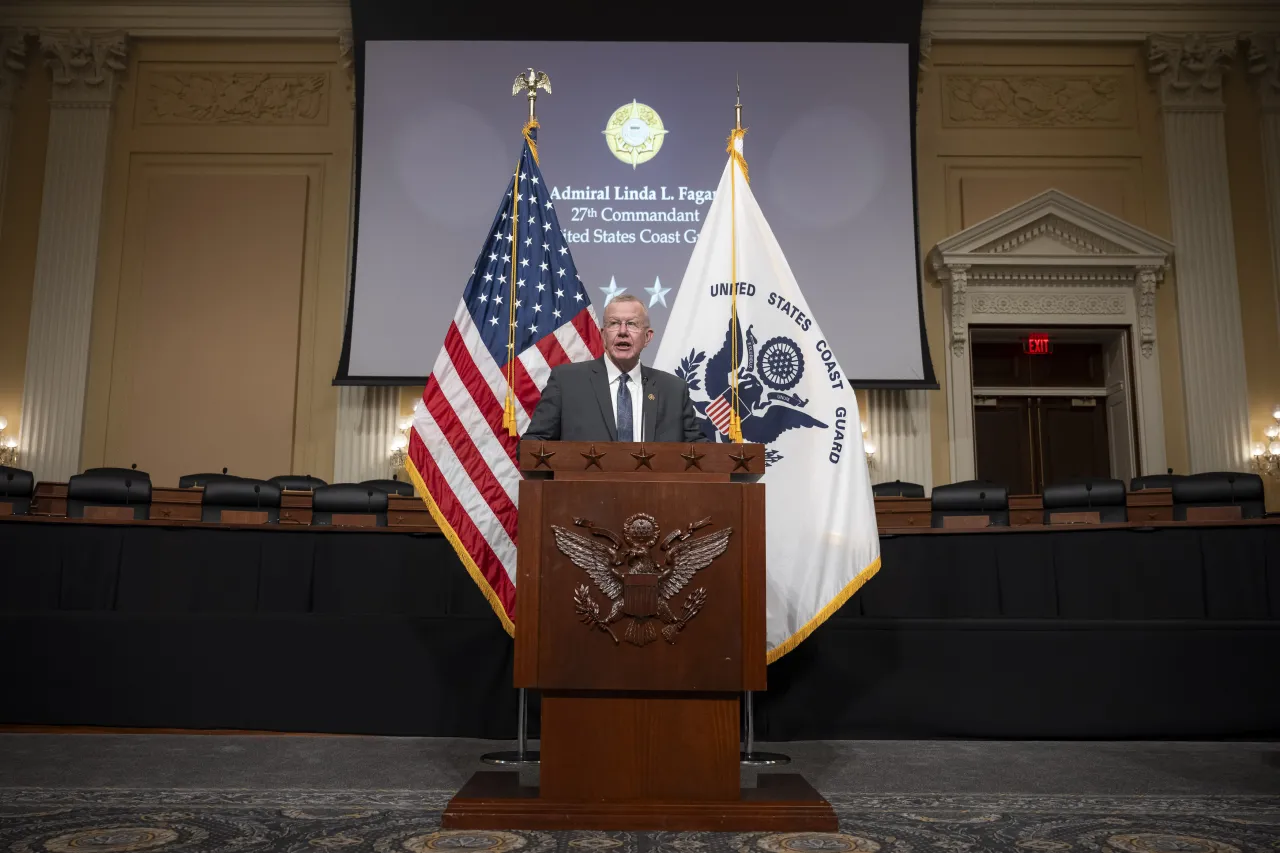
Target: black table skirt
[{"x": 1109, "y": 633}]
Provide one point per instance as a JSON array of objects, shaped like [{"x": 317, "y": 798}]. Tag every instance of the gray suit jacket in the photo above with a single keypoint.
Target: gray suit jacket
[{"x": 575, "y": 406}]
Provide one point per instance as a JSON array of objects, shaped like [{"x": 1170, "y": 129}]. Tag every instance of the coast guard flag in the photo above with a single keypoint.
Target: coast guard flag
[
  {"x": 523, "y": 312},
  {"x": 792, "y": 397}
]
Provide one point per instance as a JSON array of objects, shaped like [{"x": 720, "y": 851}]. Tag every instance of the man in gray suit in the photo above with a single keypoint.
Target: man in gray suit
[{"x": 615, "y": 398}]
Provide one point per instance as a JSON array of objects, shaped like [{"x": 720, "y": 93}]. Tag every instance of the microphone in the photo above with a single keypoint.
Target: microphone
[
  {"x": 1088, "y": 494},
  {"x": 1231, "y": 484},
  {"x": 982, "y": 504},
  {"x": 134, "y": 466},
  {"x": 368, "y": 501},
  {"x": 128, "y": 493},
  {"x": 224, "y": 470},
  {"x": 257, "y": 494}
]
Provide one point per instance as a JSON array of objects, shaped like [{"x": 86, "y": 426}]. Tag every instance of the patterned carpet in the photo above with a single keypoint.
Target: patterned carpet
[{"x": 158, "y": 821}]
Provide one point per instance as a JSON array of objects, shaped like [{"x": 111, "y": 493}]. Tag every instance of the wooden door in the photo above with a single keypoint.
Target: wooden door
[
  {"x": 1072, "y": 435},
  {"x": 1003, "y": 434}
]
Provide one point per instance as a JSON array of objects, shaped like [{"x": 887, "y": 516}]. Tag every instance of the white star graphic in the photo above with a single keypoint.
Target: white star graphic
[
  {"x": 497, "y": 235},
  {"x": 560, "y": 273},
  {"x": 559, "y": 293},
  {"x": 520, "y": 283},
  {"x": 524, "y": 262},
  {"x": 533, "y": 327},
  {"x": 543, "y": 266},
  {"x": 657, "y": 293},
  {"x": 532, "y": 220},
  {"x": 564, "y": 250},
  {"x": 504, "y": 213},
  {"x": 548, "y": 204},
  {"x": 535, "y": 180},
  {"x": 493, "y": 321},
  {"x": 612, "y": 290},
  {"x": 493, "y": 256},
  {"x": 546, "y": 226},
  {"x": 577, "y": 297},
  {"x": 488, "y": 276},
  {"x": 556, "y": 313},
  {"x": 484, "y": 297},
  {"x": 528, "y": 241},
  {"x": 502, "y": 279},
  {"x": 522, "y": 176},
  {"x": 497, "y": 300},
  {"x": 545, "y": 246},
  {"x": 519, "y": 198},
  {"x": 541, "y": 287},
  {"x": 517, "y": 303},
  {"x": 537, "y": 308}
]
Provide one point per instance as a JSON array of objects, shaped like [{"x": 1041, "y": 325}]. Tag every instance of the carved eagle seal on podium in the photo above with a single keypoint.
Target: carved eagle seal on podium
[{"x": 636, "y": 584}]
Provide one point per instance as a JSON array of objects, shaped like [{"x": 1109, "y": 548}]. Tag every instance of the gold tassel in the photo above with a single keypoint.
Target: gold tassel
[
  {"x": 509, "y": 415},
  {"x": 735, "y": 427}
]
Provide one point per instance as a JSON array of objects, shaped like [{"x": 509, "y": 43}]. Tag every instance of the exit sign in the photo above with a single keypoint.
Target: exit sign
[{"x": 1037, "y": 343}]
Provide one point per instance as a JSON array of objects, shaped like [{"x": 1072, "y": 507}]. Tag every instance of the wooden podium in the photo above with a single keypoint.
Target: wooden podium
[{"x": 641, "y": 619}]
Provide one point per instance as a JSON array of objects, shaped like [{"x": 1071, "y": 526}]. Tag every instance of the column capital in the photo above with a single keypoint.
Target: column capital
[
  {"x": 13, "y": 63},
  {"x": 1188, "y": 68},
  {"x": 1262, "y": 58},
  {"x": 84, "y": 65}
]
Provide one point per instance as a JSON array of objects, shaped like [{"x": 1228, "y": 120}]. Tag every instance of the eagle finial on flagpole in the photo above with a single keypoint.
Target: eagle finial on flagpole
[
  {"x": 529, "y": 82},
  {"x": 737, "y": 107}
]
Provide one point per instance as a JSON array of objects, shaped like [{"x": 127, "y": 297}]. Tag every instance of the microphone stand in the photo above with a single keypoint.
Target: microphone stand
[
  {"x": 750, "y": 757},
  {"x": 522, "y": 756}
]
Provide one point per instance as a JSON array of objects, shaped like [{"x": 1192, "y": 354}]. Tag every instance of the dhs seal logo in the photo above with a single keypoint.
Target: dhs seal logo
[
  {"x": 634, "y": 133},
  {"x": 766, "y": 375}
]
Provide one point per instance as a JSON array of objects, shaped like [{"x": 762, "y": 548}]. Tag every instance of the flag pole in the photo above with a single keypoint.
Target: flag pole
[{"x": 735, "y": 156}]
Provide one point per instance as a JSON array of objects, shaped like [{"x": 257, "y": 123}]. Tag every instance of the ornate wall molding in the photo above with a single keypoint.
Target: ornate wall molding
[
  {"x": 1113, "y": 21},
  {"x": 1188, "y": 69},
  {"x": 1053, "y": 259},
  {"x": 1048, "y": 303},
  {"x": 1262, "y": 59},
  {"x": 347, "y": 61},
  {"x": 84, "y": 66},
  {"x": 262, "y": 19},
  {"x": 1049, "y": 100},
  {"x": 213, "y": 96}
]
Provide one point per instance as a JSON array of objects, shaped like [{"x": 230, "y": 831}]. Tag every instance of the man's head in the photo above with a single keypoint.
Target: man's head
[{"x": 626, "y": 330}]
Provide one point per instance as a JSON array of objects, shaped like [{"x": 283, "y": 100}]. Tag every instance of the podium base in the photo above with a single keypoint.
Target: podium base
[{"x": 782, "y": 802}]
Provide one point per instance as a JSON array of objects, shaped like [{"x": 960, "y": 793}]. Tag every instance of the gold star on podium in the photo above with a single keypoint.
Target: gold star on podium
[
  {"x": 691, "y": 459},
  {"x": 642, "y": 458},
  {"x": 742, "y": 460},
  {"x": 542, "y": 456},
  {"x": 593, "y": 458}
]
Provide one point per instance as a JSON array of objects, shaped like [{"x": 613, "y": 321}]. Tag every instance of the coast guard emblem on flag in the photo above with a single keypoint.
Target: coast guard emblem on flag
[{"x": 767, "y": 374}]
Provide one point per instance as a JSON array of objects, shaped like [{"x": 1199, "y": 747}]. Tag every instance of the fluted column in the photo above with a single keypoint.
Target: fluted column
[
  {"x": 84, "y": 69},
  {"x": 13, "y": 61},
  {"x": 367, "y": 420},
  {"x": 898, "y": 422},
  {"x": 1188, "y": 73},
  {"x": 1264, "y": 65}
]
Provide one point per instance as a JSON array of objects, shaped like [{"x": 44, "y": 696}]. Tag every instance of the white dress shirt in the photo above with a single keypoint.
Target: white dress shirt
[{"x": 634, "y": 387}]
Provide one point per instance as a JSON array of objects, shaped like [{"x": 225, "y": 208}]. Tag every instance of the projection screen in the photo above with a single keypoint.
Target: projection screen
[{"x": 829, "y": 148}]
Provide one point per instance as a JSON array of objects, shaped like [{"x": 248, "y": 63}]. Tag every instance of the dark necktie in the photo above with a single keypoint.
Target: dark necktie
[{"x": 625, "y": 418}]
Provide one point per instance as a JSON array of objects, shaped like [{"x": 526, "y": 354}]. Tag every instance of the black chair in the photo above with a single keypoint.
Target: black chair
[
  {"x": 239, "y": 494},
  {"x": 1102, "y": 495},
  {"x": 298, "y": 482},
  {"x": 898, "y": 489},
  {"x": 109, "y": 490},
  {"x": 1154, "y": 481},
  {"x": 970, "y": 498},
  {"x": 191, "y": 481},
  {"x": 119, "y": 472},
  {"x": 348, "y": 499},
  {"x": 391, "y": 487},
  {"x": 16, "y": 488},
  {"x": 1219, "y": 488}
]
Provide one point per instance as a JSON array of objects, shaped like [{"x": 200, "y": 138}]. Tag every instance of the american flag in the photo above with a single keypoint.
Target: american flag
[{"x": 523, "y": 297}]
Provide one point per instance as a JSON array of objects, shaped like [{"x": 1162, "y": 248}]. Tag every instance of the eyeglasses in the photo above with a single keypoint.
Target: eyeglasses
[{"x": 632, "y": 325}]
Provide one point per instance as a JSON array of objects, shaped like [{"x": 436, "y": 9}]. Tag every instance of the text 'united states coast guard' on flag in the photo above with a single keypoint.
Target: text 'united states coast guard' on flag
[
  {"x": 791, "y": 396},
  {"x": 523, "y": 312}
]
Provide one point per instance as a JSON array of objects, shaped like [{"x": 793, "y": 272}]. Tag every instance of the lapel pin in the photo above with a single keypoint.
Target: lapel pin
[{"x": 651, "y": 397}]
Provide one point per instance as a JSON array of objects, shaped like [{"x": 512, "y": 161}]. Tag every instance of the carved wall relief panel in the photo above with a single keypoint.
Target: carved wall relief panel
[
  {"x": 1014, "y": 100},
  {"x": 233, "y": 97}
]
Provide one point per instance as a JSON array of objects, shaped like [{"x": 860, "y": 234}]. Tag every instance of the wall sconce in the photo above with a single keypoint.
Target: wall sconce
[
  {"x": 1266, "y": 454},
  {"x": 868, "y": 447},
  {"x": 8, "y": 445},
  {"x": 400, "y": 446}
]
